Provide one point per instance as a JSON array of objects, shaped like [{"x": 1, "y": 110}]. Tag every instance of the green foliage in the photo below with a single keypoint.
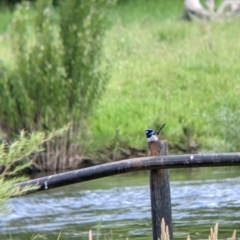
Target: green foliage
[
  {"x": 146, "y": 11},
  {"x": 228, "y": 120},
  {"x": 16, "y": 157},
  {"x": 58, "y": 73},
  {"x": 82, "y": 30},
  {"x": 181, "y": 73},
  {"x": 5, "y": 17},
  {"x": 38, "y": 79},
  {"x": 57, "y": 64}
]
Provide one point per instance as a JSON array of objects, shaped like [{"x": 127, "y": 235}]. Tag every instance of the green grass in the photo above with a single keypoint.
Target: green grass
[
  {"x": 166, "y": 70},
  {"x": 5, "y": 53},
  {"x": 6, "y": 16}
]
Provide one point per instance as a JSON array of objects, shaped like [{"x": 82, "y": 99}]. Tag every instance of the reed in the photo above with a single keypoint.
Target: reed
[{"x": 166, "y": 236}]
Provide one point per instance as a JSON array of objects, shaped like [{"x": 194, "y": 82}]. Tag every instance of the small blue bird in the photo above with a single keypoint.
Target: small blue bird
[
  {"x": 152, "y": 135},
  {"x": 154, "y": 146}
]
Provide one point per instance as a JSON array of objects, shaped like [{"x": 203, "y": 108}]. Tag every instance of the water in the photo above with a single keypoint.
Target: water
[{"x": 120, "y": 207}]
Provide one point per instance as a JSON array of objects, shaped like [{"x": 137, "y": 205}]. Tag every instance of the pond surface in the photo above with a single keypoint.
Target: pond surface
[{"x": 119, "y": 207}]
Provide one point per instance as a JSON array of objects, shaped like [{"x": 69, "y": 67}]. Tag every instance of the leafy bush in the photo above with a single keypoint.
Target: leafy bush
[
  {"x": 16, "y": 157},
  {"x": 58, "y": 75}
]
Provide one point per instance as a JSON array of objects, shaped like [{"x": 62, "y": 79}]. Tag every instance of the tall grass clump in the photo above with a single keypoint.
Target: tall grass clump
[
  {"x": 57, "y": 75},
  {"x": 166, "y": 236}
]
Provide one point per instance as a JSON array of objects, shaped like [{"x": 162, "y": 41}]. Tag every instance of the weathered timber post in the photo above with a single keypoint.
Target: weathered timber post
[{"x": 160, "y": 193}]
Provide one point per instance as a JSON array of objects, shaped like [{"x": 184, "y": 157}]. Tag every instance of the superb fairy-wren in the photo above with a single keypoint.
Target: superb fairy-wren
[{"x": 154, "y": 146}]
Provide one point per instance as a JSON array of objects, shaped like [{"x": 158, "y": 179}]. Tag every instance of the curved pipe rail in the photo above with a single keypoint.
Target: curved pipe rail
[{"x": 131, "y": 165}]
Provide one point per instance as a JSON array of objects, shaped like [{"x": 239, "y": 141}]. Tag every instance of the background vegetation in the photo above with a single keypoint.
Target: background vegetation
[
  {"x": 162, "y": 70},
  {"x": 55, "y": 75},
  {"x": 15, "y": 158},
  {"x": 168, "y": 70}
]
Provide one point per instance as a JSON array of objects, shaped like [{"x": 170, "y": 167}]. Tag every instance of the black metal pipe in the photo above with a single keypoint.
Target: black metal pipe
[{"x": 134, "y": 164}]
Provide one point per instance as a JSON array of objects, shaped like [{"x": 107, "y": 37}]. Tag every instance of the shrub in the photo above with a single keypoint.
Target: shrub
[
  {"x": 58, "y": 75},
  {"x": 15, "y": 158}
]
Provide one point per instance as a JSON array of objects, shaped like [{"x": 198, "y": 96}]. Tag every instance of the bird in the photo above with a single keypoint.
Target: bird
[{"x": 154, "y": 146}]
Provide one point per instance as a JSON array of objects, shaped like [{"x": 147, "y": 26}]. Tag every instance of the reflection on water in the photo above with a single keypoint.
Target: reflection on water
[{"x": 120, "y": 206}]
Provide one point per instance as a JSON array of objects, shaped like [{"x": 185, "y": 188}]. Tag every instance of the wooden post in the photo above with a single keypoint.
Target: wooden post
[{"x": 160, "y": 197}]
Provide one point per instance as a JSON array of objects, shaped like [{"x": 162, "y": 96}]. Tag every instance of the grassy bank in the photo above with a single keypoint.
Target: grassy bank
[{"x": 166, "y": 70}]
